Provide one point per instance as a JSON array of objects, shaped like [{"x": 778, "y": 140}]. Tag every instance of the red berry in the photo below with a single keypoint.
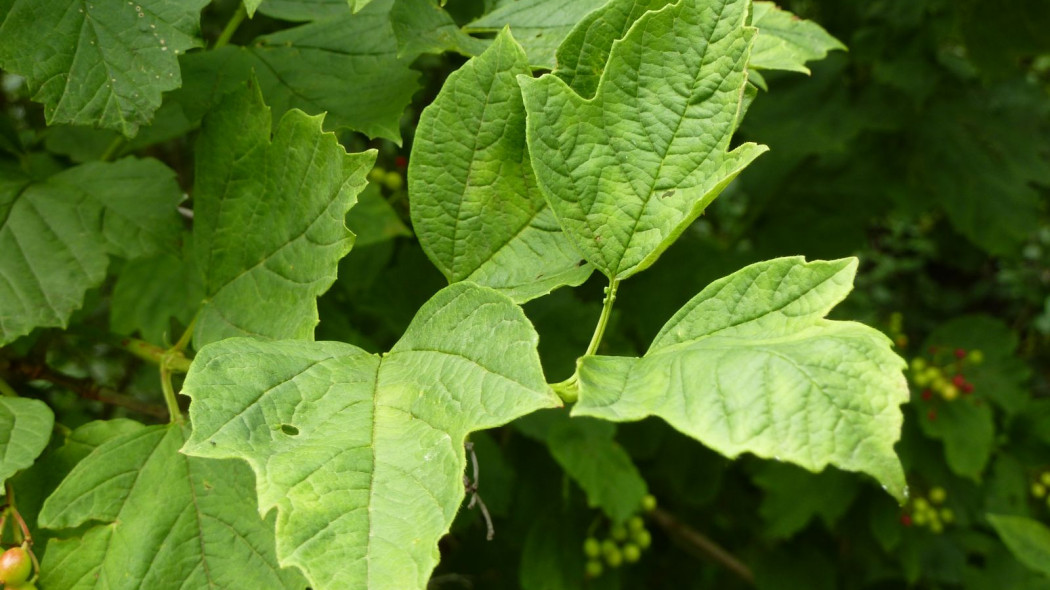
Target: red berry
[
  {"x": 906, "y": 519},
  {"x": 966, "y": 387},
  {"x": 958, "y": 380},
  {"x": 960, "y": 353},
  {"x": 15, "y": 567},
  {"x": 401, "y": 162},
  {"x": 927, "y": 395}
]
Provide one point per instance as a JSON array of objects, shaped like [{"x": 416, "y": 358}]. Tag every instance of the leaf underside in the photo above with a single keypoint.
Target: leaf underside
[
  {"x": 750, "y": 365},
  {"x": 362, "y": 455}
]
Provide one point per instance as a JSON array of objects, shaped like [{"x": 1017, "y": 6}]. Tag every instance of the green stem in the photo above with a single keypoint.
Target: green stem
[
  {"x": 113, "y": 149},
  {"x": 154, "y": 354},
  {"x": 174, "y": 413},
  {"x": 6, "y": 389},
  {"x": 603, "y": 320},
  {"x": 187, "y": 334},
  {"x": 231, "y": 27}
]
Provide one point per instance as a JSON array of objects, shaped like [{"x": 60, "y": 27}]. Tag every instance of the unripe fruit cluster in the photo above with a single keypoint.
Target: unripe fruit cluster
[
  {"x": 929, "y": 511},
  {"x": 896, "y": 330},
  {"x": 624, "y": 544},
  {"x": 944, "y": 377},
  {"x": 391, "y": 179},
  {"x": 15, "y": 567},
  {"x": 1041, "y": 488}
]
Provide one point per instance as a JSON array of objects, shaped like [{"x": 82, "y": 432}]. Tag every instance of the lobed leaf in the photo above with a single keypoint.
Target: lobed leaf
[
  {"x": 163, "y": 521},
  {"x": 750, "y": 365},
  {"x": 362, "y": 455},
  {"x": 100, "y": 63},
  {"x": 56, "y": 234},
  {"x": 629, "y": 169},
  {"x": 475, "y": 205},
  {"x": 270, "y": 213},
  {"x": 25, "y": 429},
  {"x": 786, "y": 42},
  {"x": 344, "y": 65}
]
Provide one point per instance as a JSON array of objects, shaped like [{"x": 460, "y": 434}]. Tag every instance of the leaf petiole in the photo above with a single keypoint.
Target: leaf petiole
[{"x": 603, "y": 319}]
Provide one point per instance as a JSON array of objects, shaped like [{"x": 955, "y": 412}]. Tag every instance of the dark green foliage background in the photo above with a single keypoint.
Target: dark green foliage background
[{"x": 924, "y": 150}]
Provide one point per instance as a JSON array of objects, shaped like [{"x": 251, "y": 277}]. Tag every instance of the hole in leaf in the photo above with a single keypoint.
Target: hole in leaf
[{"x": 289, "y": 429}]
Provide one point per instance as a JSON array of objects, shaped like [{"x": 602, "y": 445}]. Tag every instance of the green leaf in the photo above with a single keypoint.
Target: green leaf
[
  {"x": 475, "y": 205},
  {"x": 25, "y": 429},
  {"x": 786, "y": 42},
  {"x": 793, "y": 497},
  {"x": 149, "y": 292},
  {"x": 56, "y": 234},
  {"x": 345, "y": 66},
  {"x": 362, "y": 455},
  {"x": 421, "y": 26},
  {"x": 164, "y": 521},
  {"x": 99, "y": 63},
  {"x": 627, "y": 171},
  {"x": 586, "y": 450},
  {"x": 584, "y": 54},
  {"x": 968, "y": 432},
  {"x": 1027, "y": 539},
  {"x": 302, "y": 10},
  {"x": 750, "y": 365},
  {"x": 269, "y": 229},
  {"x": 589, "y": 454},
  {"x": 539, "y": 25},
  {"x": 373, "y": 220}
]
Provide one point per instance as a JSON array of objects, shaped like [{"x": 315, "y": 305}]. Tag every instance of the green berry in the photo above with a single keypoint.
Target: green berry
[
  {"x": 591, "y": 547},
  {"x": 1038, "y": 490},
  {"x": 635, "y": 524},
  {"x": 648, "y": 503},
  {"x": 614, "y": 558},
  {"x": 947, "y": 516},
  {"x": 976, "y": 357},
  {"x": 609, "y": 546},
  {"x": 918, "y": 364},
  {"x": 393, "y": 180},
  {"x": 643, "y": 539},
  {"x": 618, "y": 532},
  {"x": 938, "y": 495},
  {"x": 1045, "y": 478},
  {"x": 949, "y": 391},
  {"x": 594, "y": 568},
  {"x": 377, "y": 175},
  {"x": 15, "y": 566},
  {"x": 936, "y": 527},
  {"x": 921, "y": 505},
  {"x": 631, "y": 553},
  {"x": 919, "y": 518}
]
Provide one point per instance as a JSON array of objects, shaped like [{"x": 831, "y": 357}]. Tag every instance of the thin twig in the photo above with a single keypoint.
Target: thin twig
[
  {"x": 475, "y": 498},
  {"x": 84, "y": 388},
  {"x": 699, "y": 543}
]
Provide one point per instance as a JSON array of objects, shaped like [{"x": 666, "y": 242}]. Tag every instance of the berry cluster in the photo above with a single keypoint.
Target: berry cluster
[
  {"x": 1041, "y": 486},
  {"x": 942, "y": 374},
  {"x": 391, "y": 179},
  {"x": 929, "y": 511},
  {"x": 624, "y": 544},
  {"x": 16, "y": 565}
]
